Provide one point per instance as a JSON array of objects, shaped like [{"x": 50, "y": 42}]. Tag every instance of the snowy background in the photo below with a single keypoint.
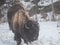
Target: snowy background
[{"x": 49, "y": 33}]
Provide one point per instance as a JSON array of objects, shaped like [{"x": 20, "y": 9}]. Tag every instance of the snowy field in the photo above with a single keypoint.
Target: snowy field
[{"x": 49, "y": 34}]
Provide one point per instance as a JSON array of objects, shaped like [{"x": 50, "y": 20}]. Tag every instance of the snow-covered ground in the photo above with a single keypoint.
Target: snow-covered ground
[
  {"x": 6, "y": 36},
  {"x": 49, "y": 34}
]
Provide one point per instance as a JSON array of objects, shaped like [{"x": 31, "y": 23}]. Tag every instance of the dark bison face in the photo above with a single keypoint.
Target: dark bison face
[{"x": 31, "y": 30}]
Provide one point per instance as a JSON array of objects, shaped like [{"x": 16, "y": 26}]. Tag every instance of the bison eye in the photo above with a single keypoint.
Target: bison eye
[{"x": 27, "y": 27}]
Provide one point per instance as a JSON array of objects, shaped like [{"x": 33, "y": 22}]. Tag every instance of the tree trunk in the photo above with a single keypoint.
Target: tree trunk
[{"x": 53, "y": 13}]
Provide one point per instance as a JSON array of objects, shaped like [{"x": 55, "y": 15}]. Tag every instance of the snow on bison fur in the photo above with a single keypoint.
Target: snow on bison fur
[{"x": 21, "y": 25}]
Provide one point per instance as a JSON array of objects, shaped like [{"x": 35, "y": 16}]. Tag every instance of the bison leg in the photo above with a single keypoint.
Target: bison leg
[
  {"x": 17, "y": 37},
  {"x": 18, "y": 42},
  {"x": 10, "y": 26},
  {"x": 26, "y": 41}
]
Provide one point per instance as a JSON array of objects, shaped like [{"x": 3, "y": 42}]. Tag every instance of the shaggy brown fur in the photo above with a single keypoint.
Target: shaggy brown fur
[
  {"x": 11, "y": 12},
  {"x": 21, "y": 25},
  {"x": 19, "y": 20}
]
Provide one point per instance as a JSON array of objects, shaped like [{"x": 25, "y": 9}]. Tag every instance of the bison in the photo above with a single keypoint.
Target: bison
[{"x": 21, "y": 24}]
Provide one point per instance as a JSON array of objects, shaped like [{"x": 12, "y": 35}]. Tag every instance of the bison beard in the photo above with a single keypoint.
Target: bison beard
[{"x": 21, "y": 25}]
